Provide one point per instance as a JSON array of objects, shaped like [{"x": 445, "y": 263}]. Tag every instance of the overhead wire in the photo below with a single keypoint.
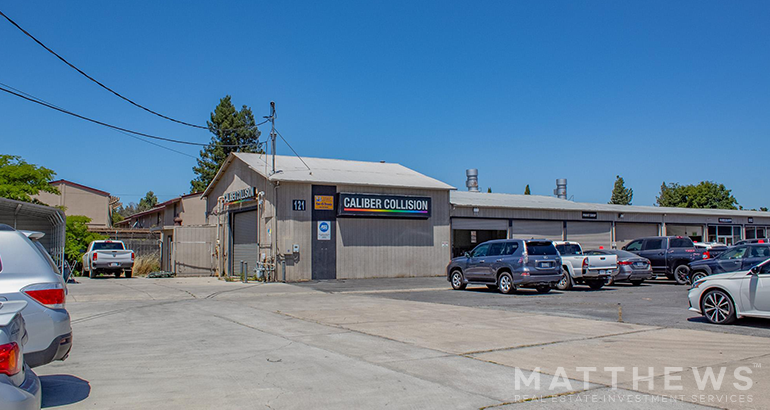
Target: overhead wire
[
  {"x": 291, "y": 148},
  {"x": 28, "y": 34}
]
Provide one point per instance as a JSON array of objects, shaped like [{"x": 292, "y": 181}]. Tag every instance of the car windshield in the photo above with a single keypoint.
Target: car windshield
[
  {"x": 569, "y": 249},
  {"x": 681, "y": 243},
  {"x": 108, "y": 246},
  {"x": 734, "y": 253},
  {"x": 541, "y": 248}
]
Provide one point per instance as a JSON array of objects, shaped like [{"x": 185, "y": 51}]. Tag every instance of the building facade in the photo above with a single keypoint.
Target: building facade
[{"x": 79, "y": 199}]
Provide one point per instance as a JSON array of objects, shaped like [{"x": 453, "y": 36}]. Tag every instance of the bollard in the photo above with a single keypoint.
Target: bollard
[
  {"x": 620, "y": 313},
  {"x": 246, "y": 273},
  {"x": 241, "y": 270}
]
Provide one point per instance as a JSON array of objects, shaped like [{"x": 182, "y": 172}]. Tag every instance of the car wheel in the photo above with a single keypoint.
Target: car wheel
[
  {"x": 543, "y": 289},
  {"x": 596, "y": 284},
  {"x": 129, "y": 274},
  {"x": 696, "y": 276},
  {"x": 505, "y": 283},
  {"x": 682, "y": 274},
  {"x": 637, "y": 282},
  {"x": 492, "y": 287},
  {"x": 457, "y": 280},
  {"x": 565, "y": 283},
  {"x": 718, "y": 308}
]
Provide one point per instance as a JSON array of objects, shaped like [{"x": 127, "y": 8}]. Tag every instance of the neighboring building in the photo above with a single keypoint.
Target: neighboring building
[
  {"x": 180, "y": 211},
  {"x": 40, "y": 218},
  {"x": 79, "y": 199},
  {"x": 338, "y": 219}
]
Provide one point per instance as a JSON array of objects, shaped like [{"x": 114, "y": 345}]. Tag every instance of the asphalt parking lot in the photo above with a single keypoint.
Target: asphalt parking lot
[{"x": 388, "y": 343}]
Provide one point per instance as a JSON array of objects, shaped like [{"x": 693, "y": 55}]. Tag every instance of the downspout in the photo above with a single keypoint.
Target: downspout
[{"x": 277, "y": 250}]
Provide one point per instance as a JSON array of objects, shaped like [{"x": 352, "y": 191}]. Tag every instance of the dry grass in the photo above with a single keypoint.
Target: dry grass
[{"x": 146, "y": 264}]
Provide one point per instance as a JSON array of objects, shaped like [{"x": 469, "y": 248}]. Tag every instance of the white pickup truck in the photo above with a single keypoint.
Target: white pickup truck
[
  {"x": 592, "y": 270},
  {"x": 108, "y": 257}
]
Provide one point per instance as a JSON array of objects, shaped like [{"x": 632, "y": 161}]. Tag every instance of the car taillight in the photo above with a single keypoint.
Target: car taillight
[
  {"x": 132, "y": 256},
  {"x": 94, "y": 256},
  {"x": 10, "y": 360},
  {"x": 625, "y": 263},
  {"x": 50, "y": 295},
  {"x": 706, "y": 255},
  {"x": 585, "y": 264}
]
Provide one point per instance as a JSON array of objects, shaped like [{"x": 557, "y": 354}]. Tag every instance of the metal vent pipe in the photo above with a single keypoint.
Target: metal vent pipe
[
  {"x": 561, "y": 188},
  {"x": 473, "y": 179}
]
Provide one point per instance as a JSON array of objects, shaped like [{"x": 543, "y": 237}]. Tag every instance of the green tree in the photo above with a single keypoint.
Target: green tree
[
  {"x": 116, "y": 217},
  {"x": 20, "y": 180},
  {"x": 620, "y": 194},
  {"x": 763, "y": 208},
  {"x": 526, "y": 190},
  {"x": 489, "y": 190},
  {"x": 230, "y": 127},
  {"x": 78, "y": 237},
  {"x": 706, "y": 194},
  {"x": 148, "y": 202}
]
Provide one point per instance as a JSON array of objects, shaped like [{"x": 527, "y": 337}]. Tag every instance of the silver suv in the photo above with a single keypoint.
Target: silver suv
[
  {"x": 506, "y": 264},
  {"x": 28, "y": 274}
]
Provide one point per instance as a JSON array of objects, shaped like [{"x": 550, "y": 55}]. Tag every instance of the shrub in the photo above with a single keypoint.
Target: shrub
[{"x": 146, "y": 263}]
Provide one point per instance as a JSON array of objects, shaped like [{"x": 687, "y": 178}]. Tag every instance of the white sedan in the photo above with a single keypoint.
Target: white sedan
[{"x": 726, "y": 297}]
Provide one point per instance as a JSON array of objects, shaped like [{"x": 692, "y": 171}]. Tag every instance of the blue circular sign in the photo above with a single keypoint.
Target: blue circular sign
[{"x": 323, "y": 226}]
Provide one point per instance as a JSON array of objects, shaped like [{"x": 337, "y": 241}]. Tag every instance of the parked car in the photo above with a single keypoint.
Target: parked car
[
  {"x": 577, "y": 267},
  {"x": 735, "y": 259},
  {"x": 711, "y": 249},
  {"x": 631, "y": 267},
  {"x": 755, "y": 240},
  {"x": 19, "y": 385},
  {"x": 669, "y": 255},
  {"x": 506, "y": 264},
  {"x": 726, "y": 297},
  {"x": 28, "y": 274},
  {"x": 109, "y": 257}
]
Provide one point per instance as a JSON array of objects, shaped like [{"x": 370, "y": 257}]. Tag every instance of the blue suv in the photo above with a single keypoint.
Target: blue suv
[
  {"x": 506, "y": 264},
  {"x": 734, "y": 259}
]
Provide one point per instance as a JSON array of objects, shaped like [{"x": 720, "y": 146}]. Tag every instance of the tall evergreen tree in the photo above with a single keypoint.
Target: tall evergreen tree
[
  {"x": 230, "y": 127},
  {"x": 620, "y": 194},
  {"x": 148, "y": 202},
  {"x": 526, "y": 190}
]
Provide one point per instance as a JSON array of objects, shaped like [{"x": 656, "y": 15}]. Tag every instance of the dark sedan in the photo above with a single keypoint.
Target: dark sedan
[
  {"x": 631, "y": 267},
  {"x": 736, "y": 258}
]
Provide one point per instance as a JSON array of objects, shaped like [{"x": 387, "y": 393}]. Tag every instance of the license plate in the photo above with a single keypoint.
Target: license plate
[
  {"x": 114, "y": 264},
  {"x": 545, "y": 264},
  {"x": 604, "y": 272}
]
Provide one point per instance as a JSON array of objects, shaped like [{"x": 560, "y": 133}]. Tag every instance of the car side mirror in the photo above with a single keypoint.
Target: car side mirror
[
  {"x": 466, "y": 254},
  {"x": 755, "y": 270}
]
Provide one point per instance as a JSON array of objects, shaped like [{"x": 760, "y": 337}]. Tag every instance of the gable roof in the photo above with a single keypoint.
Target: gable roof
[
  {"x": 74, "y": 184},
  {"x": 332, "y": 171}
]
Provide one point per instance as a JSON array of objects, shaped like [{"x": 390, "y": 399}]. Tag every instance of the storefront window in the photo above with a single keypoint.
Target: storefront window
[{"x": 726, "y": 234}]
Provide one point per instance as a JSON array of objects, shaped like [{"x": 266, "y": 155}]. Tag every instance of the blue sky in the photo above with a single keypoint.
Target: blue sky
[{"x": 526, "y": 92}]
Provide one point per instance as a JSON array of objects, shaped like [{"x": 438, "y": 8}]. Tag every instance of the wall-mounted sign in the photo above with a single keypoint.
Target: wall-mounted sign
[
  {"x": 240, "y": 195},
  {"x": 298, "y": 205},
  {"x": 324, "y": 230},
  {"x": 473, "y": 236},
  {"x": 725, "y": 220},
  {"x": 751, "y": 220},
  {"x": 375, "y": 205},
  {"x": 324, "y": 202},
  {"x": 589, "y": 215}
]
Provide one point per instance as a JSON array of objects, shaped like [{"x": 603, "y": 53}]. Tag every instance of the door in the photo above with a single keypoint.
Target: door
[
  {"x": 526, "y": 229},
  {"x": 655, "y": 251},
  {"x": 759, "y": 290},
  {"x": 757, "y": 255},
  {"x": 626, "y": 232},
  {"x": 245, "y": 248},
  {"x": 491, "y": 261},
  {"x": 732, "y": 260},
  {"x": 478, "y": 266},
  {"x": 324, "y": 243},
  {"x": 590, "y": 235}
]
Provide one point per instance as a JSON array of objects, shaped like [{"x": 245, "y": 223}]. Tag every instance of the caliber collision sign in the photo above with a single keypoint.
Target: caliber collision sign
[{"x": 388, "y": 206}]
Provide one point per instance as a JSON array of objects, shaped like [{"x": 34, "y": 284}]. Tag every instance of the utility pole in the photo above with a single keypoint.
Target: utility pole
[{"x": 272, "y": 133}]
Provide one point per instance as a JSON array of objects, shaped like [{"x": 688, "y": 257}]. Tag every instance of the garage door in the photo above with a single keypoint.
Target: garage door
[
  {"x": 525, "y": 229},
  {"x": 480, "y": 224},
  {"x": 244, "y": 228},
  {"x": 627, "y": 232},
  {"x": 590, "y": 235}
]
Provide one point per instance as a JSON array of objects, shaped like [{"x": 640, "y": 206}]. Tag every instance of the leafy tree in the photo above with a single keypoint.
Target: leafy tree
[
  {"x": 116, "y": 217},
  {"x": 526, "y": 190},
  {"x": 706, "y": 194},
  {"x": 489, "y": 190},
  {"x": 230, "y": 127},
  {"x": 620, "y": 194},
  {"x": 148, "y": 202},
  {"x": 20, "y": 180},
  {"x": 78, "y": 237},
  {"x": 763, "y": 208}
]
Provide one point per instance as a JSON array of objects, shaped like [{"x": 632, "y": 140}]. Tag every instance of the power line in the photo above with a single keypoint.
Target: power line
[
  {"x": 292, "y": 149},
  {"x": 155, "y": 137},
  {"x": 110, "y": 89}
]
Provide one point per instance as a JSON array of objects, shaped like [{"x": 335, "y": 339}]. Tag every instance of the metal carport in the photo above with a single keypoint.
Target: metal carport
[{"x": 33, "y": 217}]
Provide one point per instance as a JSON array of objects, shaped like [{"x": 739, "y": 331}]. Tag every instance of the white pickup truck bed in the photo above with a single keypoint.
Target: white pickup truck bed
[
  {"x": 108, "y": 257},
  {"x": 593, "y": 270}
]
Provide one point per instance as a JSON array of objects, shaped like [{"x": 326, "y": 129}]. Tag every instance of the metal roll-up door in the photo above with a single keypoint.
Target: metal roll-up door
[
  {"x": 480, "y": 224},
  {"x": 524, "y": 229},
  {"x": 244, "y": 228},
  {"x": 590, "y": 235},
  {"x": 626, "y": 232}
]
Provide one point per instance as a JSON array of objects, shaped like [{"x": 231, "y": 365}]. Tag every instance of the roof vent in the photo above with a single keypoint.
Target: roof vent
[
  {"x": 561, "y": 188},
  {"x": 473, "y": 179}
]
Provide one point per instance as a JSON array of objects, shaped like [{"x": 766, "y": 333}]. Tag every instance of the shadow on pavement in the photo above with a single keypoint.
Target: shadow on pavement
[
  {"x": 63, "y": 389},
  {"x": 751, "y": 322}
]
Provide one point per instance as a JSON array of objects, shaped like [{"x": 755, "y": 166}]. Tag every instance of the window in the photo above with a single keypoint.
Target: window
[
  {"x": 595, "y": 253},
  {"x": 541, "y": 248},
  {"x": 652, "y": 244},
  {"x": 569, "y": 249},
  {"x": 634, "y": 246},
  {"x": 765, "y": 269},
  {"x": 510, "y": 248},
  {"x": 480, "y": 251},
  {"x": 734, "y": 253},
  {"x": 760, "y": 252},
  {"x": 108, "y": 246},
  {"x": 496, "y": 249},
  {"x": 681, "y": 243}
]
